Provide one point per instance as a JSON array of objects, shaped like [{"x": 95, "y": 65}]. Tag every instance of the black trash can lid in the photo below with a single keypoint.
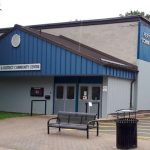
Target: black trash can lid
[
  {"x": 125, "y": 111},
  {"x": 130, "y": 113}
]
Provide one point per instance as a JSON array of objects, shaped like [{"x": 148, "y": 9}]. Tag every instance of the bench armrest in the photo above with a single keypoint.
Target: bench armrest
[
  {"x": 55, "y": 118},
  {"x": 93, "y": 121}
]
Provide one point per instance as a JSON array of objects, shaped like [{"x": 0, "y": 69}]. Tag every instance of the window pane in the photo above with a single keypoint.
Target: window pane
[
  {"x": 59, "y": 92},
  {"x": 70, "y": 92},
  {"x": 95, "y": 93},
  {"x": 83, "y": 92}
]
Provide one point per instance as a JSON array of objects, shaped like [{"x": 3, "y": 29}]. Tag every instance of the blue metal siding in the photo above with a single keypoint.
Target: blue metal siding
[
  {"x": 83, "y": 68},
  {"x": 75, "y": 79},
  {"x": 73, "y": 64},
  {"x": 63, "y": 64},
  {"x": 54, "y": 60},
  {"x": 143, "y": 49},
  {"x": 58, "y": 55}
]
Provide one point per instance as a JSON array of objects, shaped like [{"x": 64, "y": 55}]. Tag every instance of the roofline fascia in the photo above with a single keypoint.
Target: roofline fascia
[{"x": 82, "y": 23}]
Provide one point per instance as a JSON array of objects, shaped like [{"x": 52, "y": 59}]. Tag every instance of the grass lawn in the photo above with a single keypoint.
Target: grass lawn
[{"x": 4, "y": 115}]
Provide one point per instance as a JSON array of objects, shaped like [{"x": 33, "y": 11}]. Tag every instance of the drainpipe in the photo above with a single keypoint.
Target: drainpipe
[{"x": 131, "y": 92}]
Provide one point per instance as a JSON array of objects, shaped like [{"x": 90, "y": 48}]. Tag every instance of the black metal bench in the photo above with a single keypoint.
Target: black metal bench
[{"x": 74, "y": 120}]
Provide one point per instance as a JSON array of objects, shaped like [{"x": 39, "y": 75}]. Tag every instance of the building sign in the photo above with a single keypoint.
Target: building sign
[
  {"x": 104, "y": 88},
  {"x": 20, "y": 67},
  {"x": 146, "y": 38}
]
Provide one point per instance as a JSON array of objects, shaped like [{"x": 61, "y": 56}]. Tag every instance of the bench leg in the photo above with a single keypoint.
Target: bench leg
[
  {"x": 97, "y": 130},
  {"x": 47, "y": 129},
  {"x": 59, "y": 129},
  {"x": 87, "y": 133}
]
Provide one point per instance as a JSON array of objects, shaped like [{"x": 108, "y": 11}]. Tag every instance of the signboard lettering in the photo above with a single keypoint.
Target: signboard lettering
[
  {"x": 20, "y": 67},
  {"x": 146, "y": 38}
]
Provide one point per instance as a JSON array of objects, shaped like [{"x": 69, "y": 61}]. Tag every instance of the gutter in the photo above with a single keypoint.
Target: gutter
[{"x": 131, "y": 93}]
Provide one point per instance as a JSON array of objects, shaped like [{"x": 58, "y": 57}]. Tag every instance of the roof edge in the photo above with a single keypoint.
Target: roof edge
[{"x": 82, "y": 23}]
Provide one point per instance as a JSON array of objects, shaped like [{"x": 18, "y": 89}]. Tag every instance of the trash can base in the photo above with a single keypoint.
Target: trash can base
[{"x": 126, "y": 147}]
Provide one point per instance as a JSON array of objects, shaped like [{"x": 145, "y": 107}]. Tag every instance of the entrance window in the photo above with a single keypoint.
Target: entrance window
[
  {"x": 95, "y": 93},
  {"x": 70, "y": 92},
  {"x": 59, "y": 92},
  {"x": 84, "y": 92}
]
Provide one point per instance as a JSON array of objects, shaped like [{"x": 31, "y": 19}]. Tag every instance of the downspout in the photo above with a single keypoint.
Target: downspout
[
  {"x": 138, "y": 53},
  {"x": 131, "y": 93}
]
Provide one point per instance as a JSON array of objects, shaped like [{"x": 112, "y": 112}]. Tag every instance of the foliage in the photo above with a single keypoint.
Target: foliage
[{"x": 136, "y": 13}]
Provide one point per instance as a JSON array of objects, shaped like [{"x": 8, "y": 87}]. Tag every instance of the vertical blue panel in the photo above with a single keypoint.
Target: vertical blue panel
[
  {"x": 39, "y": 55},
  {"x": 125, "y": 74},
  {"x": 101, "y": 70},
  {"x": 48, "y": 59},
  {"x": 83, "y": 66},
  {"x": 26, "y": 47},
  {"x": 78, "y": 65},
  {"x": 121, "y": 73},
  {"x": 53, "y": 66},
  {"x": 89, "y": 67},
  {"x": 21, "y": 51},
  {"x": 44, "y": 54},
  {"x": 73, "y": 64},
  {"x": 5, "y": 46},
  {"x": 34, "y": 50},
  {"x": 63, "y": 64},
  {"x": 68, "y": 61},
  {"x": 17, "y": 51},
  {"x": 30, "y": 41},
  {"x": 129, "y": 75},
  {"x": 111, "y": 71},
  {"x": 22, "y": 59},
  {"x": 95, "y": 68},
  {"x": 107, "y": 71},
  {"x": 58, "y": 57}
]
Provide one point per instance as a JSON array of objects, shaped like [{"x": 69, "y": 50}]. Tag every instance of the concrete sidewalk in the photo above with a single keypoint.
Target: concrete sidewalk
[{"x": 30, "y": 133}]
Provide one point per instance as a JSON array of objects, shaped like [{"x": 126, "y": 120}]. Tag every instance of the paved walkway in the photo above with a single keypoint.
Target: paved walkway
[
  {"x": 29, "y": 133},
  {"x": 143, "y": 127}
]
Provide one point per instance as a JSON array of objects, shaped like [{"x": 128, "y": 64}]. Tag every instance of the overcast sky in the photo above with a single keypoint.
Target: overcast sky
[{"x": 29, "y": 12}]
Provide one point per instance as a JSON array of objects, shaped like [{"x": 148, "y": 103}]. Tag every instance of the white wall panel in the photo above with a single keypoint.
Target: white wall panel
[
  {"x": 143, "y": 86},
  {"x": 15, "y": 94},
  {"x": 118, "y": 94}
]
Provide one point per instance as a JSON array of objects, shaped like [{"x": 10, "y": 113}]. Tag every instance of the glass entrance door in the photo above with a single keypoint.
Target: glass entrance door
[
  {"x": 90, "y": 93},
  {"x": 64, "y": 97}
]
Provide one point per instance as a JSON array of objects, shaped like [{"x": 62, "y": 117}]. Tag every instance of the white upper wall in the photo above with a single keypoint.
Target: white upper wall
[
  {"x": 143, "y": 86},
  {"x": 118, "y": 39}
]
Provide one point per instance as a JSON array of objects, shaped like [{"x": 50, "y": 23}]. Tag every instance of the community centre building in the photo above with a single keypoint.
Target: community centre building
[{"x": 103, "y": 61}]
